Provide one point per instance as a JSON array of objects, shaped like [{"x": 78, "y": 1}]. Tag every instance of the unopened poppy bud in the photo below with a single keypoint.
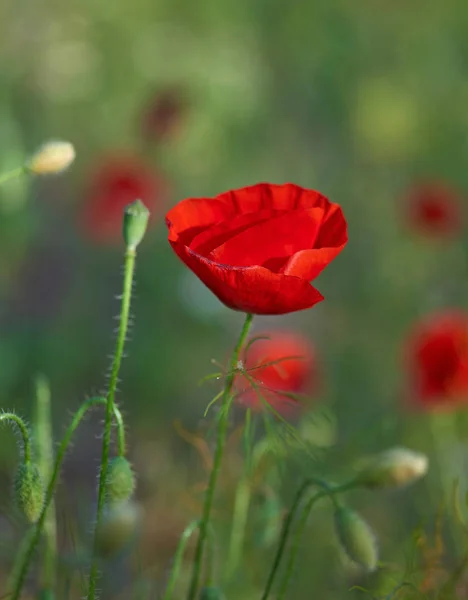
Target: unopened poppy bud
[
  {"x": 120, "y": 483},
  {"x": 118, "y": 526},
  {"x": 52, "y": 157},
  {"x": 211, "y": 593},
  {"x": 393, "y": 468},
  {"x": 29, "y": 491},
  {"x": 356, "y": 537},
  {"x": 135, "y": 221}
]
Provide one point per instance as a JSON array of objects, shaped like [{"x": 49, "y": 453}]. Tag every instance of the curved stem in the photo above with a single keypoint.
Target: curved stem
[
  {"x": 21, "y": 425},
  {"x": 12, "y": 174},
  {"x": 297, "y": 539},
  {"x": 327, "y": 491},
  {"x": 220, "y": 443},
  {"x": 179, "y": 555},
  {"x": 129, "y": 269},
  {"x": 36, "y": 534}
]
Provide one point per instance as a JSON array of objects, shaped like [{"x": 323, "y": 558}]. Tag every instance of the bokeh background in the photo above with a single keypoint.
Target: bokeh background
[{"x": 361, "y": 101}]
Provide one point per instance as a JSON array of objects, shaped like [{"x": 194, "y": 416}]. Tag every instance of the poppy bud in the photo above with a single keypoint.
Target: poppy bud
[
  {"x": 356, "y": 537},
  {"x": 120, "y": 480},
  {"x": 211, "y": 593},
  {"x": 117, "y": 527},
  {"x": 52, "y": 157},
  {"x": 29, "y": 491},
  {"x": 393, "y": 468},
  {"x": 135, "y": 221}
]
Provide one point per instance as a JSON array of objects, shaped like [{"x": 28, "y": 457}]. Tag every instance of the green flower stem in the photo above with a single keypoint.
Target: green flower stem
[
  {"x": 241, "y": 504},
  {"x": 45, "y": 460},
  {"x": 129, "y": 269},
  {"x": 179, "y": 555},
  {"x": 12, "y": 174},
  {"x": 37, "y": 528},
  {"x": 220, "y": 443},
  {"x": 298, "y": 535},
  {"x": 327, "y": 490},
  {"x": 21, "y": 425}
]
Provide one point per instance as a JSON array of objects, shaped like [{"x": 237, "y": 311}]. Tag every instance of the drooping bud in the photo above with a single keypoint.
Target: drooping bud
[
  {"x": 356, "y": 537},
  {"x": 117, "y": 528},
  {"x": 210, "y": 592},
  {"x": 52, "y": 157},
  {"x": 29, "y": 491},
  {"x": 135, "y": 221},
  {"x": 393, "y": 468},
  {"x": 120, "y": 483}
]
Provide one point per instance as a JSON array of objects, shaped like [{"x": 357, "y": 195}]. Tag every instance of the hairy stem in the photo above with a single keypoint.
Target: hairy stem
[
  {"x": 129, "y": 269},
  {"x": 219, "y": 452},
  {"x": 37, "y": 528},
  {"x": 24, "y": 432},
  {"x": 327, "y": 490}
]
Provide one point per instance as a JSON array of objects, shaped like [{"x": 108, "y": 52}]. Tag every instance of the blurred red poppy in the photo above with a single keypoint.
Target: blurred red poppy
[
  {"x": 163, "y": 115},
  {"x": 258, "y": 248},
  {"x": 435, "y": 209},
  {"x": 281, "y": 364},
  {"x": 118, "y": 181},
  {"x": 437, "y": 357}
]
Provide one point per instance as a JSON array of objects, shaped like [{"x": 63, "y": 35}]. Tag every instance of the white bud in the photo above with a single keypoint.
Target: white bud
[
  {"x": 52, "y": 157},
  {"x": 393, "y": 468}
]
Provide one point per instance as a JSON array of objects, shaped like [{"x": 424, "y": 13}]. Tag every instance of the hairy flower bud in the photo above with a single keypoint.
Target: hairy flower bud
[
  {"x": 393, "y": 468},
  {"x": 135, "y": 221},
  {"x": 29, "y": 491},
  {"x": 356, "y": 537},
  {"x": 52, "y": 157},
  {"x": 118, "y": 526},
  {"x": 210, "y": 592},
  {"x": 120, "y": 483}
]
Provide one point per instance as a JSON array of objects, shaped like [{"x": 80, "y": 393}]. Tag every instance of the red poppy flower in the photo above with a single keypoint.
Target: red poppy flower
[
  {"x": 258, "y": 248},
  {"x": 438, "y": 360},
  {"x": 435, "y": 209},
  {"x": 163, "y": 114},
  {"x": 280, "y": 364},
  {"x": 118, "y": 181}
]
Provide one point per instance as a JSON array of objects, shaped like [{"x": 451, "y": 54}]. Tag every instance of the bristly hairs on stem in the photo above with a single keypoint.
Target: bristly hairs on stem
[
  {"x": 19, "y": 426},
  {"x": 135, "y": 222},
  {"x": 22, "y": 570}
]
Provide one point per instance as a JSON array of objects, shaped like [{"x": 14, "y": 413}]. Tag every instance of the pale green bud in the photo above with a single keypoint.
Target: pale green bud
[{"x": 356, "y": 537}]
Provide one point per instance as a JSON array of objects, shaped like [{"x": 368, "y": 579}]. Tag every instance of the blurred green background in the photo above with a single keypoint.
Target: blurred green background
[{"x": 355, "y": 99}]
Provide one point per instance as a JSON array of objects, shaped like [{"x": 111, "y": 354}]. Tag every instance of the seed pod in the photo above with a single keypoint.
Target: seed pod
[
  {"x": 29, "y": 491},
  {"x": 118, "y": 526},
  {"x": 393, "y": 468},
  {"x": 210, "y": 592},
  {"x": 52, "y": 157},
  {"x": 120, "y": 483},
  {"x": 356, "y": 537},
  {"x": 135, "y": 221}
]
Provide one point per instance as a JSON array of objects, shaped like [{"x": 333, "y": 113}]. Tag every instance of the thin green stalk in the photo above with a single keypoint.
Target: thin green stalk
[
  {"x": 37, "y": 528},
  {"x": 327, "y": 491},
  {"x": 12, "y": 174},
  {"x": 45, "y": 459},
  {"x": 220, "y": 444},
  {"x": 297, "y": 539},
  {"x": 241, "y": 504},
  {"x": 179, "y": 555},
  {"x": 129, "y": 269},
  {"x": 22, "y": 428}
]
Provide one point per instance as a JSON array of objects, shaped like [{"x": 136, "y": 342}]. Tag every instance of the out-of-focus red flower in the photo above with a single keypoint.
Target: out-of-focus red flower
[
  {"x": 280, "y": 363},
  {"x": 116, "y": 182},
  {"x": 163, "y": 115},
  {"x": 435, "y": 209},
  {"x": 437, "y": 357},
  {"x": 258, "y": 248}
]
